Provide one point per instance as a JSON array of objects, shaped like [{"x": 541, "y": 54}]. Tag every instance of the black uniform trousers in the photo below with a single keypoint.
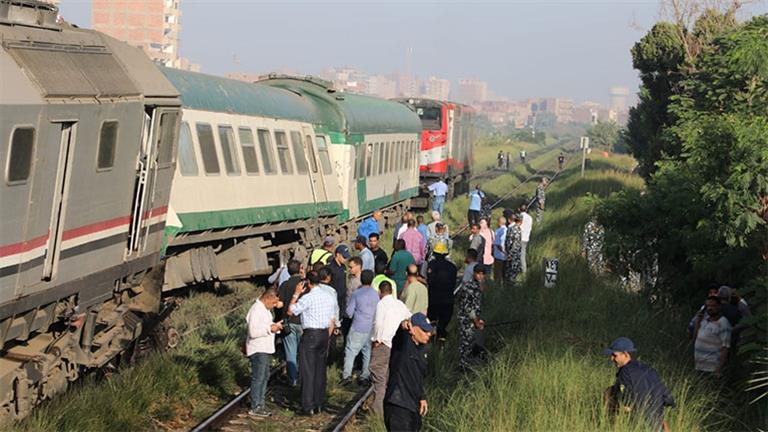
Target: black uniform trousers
[
  {"x": 313, "y": 352},
  {"x": 442, "y": 313},
  {"x": 399, "y": 419}
]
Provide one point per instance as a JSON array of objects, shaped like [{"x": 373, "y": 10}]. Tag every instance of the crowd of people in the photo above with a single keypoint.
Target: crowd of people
[{"x": 374, "y": 314}]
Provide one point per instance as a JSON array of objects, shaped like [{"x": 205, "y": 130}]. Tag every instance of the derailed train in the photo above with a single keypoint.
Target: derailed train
[{"x": 123, "y": 179}]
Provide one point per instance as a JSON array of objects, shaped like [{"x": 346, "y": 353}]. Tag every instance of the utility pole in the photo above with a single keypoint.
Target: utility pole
[{"x": 584, "y": 146}]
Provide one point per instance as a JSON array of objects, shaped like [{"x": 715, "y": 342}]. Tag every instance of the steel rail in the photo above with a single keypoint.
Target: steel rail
[{"x": 339, "y": 426}]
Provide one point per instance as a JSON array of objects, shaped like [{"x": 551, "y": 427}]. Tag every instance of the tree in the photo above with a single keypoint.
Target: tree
[{"x": 604, "y": 135}]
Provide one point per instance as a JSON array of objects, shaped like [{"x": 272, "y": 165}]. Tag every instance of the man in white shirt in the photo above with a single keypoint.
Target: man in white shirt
[
  {"x": 525, "y": 235},
  {"x": 438, "y": 190},
  {"x": 390, "y": 312},
  {"x": 259, "y": 347}
]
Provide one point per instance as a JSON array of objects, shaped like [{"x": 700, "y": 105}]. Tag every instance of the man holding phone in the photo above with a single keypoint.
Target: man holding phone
[{"x": 259, "y": 347}]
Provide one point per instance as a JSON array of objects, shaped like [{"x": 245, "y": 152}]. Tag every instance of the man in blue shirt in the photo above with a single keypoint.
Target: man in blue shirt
[
  {"x": 475, "y": 205},
  {"x": 638, "y": 389},
  {"x": 499, "y": 253},
  {"x": 361, "y": 246},
  {"x": 422, "y": 228},
  {"x": 362, "y": 309},
  {"x": 370, "y": 225},
  {"x": 438, "y": 190}
]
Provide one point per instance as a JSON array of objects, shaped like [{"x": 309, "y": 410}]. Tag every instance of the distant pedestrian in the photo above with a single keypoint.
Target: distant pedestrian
[
  {"x": 712, "y": 333},
  {"x": 525, "y": 236},
  {"x": 399, "y": 263},
  {"x": 560, "y": 162},
  {"x": 379, "y": 254},
  {"x": 592, "y": 245},
  {"x": 361, "y": 246},
  {"x": 441, "y": 282},
  {"x": 362, "y": 309},
  {"x": 405, "y": 402},
  {"x": 293, "y": 330},
  {"x": 513, "y": 247},
  {"x": 487, "y": 253},
  {"x": 323, "y": 254},
  {"x": 508, "y": 161},
  {"x": 499, "y": 254},
  {"x": 470, "y": 298},
  {"x": 415, "y": 295},
  {"x": 259, "y": 348},
  {"x": 390, "y": 312},
  {"x": 439, "y": 190},
  {"x": 638, "y": 389},
  {"x": 541, "y": 197},
  {"x": 476, "y": 197},
  {"x": 414, "y": 242},
  {"x": 316, "y": 310},
  {"x": 370, "y": 225},
  {"x": 500, "y": 160},
  {"x": 522, "y": 156}
]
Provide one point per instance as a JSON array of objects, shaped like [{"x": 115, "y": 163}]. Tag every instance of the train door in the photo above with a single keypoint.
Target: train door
[
  {"x": 316, "y": 177},
  {"x": 60, "y": 195}
]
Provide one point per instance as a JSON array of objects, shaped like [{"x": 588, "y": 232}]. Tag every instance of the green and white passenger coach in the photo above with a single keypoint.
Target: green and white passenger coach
[{"x": 266, "y": 170}]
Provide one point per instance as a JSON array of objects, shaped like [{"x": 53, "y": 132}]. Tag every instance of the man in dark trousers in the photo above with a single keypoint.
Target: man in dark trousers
[
  {"x": 638, "y": 389},
  {"x": 405, "y": 402},
  {"x": 441, "y": 281}
]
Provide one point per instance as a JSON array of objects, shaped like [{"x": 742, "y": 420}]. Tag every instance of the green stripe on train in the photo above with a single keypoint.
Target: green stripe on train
[
  {"x": 377, "y": 203},
  {"x": 257, "y": 215}
]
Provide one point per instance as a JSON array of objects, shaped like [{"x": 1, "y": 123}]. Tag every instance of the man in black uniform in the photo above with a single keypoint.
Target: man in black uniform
[
  {"x": 638, "y": 389},
  {"x": 405, "y": 402},
  {"x": 441, "y": 281}
]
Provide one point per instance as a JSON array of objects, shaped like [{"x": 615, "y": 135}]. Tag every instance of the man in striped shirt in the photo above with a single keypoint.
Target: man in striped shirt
[{"x": 712, "y": 333}]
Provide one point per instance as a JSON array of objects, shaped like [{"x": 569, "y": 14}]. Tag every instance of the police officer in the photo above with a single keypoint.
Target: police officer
[
  {"x": 470, "y": 297},
  {"x": 513, "y": 245},
  {"x": 638, "y": 389},
  {"x": 592, "y": 245}
]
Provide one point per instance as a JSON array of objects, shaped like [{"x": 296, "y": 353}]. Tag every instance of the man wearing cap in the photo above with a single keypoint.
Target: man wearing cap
[
  {"x": 405, "y": 402},
  {"x": 638, "y": 386},
  {"x": 323, "y": 254},
  {"x": 370, "y": 225},
  {"x": 470, "y": 297},
  {"x": 361, "y": 246},
  {"x": 441, "y": 281}
]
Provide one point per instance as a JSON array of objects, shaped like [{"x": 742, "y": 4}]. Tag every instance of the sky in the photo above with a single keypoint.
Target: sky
[{"x": 534, "y": 48}]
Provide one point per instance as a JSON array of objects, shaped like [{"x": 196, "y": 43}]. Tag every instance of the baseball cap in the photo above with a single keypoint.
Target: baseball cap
[
  {"x": 724, "y": 292},
  {"x": 361, "y": 239},
  {"x": 420, "y": 320},
  {"x": 622, "y": 344},
  {"x": 329, "y": 240},
  {"x": 344, "y": 251}
]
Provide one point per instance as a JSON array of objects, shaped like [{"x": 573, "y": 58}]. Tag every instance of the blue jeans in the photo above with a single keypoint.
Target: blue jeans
[
  {"x": 259, "y": 378},
  {"x": 291, "y": 345},
  {"x": 357, "y": 342},
  {"x": 438, "y": 203}
]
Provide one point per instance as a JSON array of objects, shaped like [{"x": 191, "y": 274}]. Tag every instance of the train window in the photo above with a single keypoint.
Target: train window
[
  {"x": 20, "y": 158},
  {"x": 391, "y": 156},
  {"x": 228, "y": 150},
  {"x": 380, "y": 158},
  {"x": 298, "y": 153},
  {"x": 401, "y": 155},
  {"x": 187, "y": 160},
  {"x": 249, "y": 150},
  {"x": 167, "y": 137},
  {"x": 430, "y": 117},
  {"x": 207, "y": 148},
  {"x": 311, "y": 155},
  {"x": 325, "y": 158},
  {"x": 368, "y": 161},
  {"x": 283, "y": 153},
  {"x": 107, "y": 142},
  {"x": 267, "y": 155}
]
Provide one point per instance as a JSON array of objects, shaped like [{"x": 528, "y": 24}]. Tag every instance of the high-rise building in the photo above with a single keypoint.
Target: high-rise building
[
  {"x": 381, "y": 86},
  {"x": 472, "y": 91},
  {"x": 437, "y": 88},
  {"x": 562, "y": 109},
  {"x": 150, "y": 24}
]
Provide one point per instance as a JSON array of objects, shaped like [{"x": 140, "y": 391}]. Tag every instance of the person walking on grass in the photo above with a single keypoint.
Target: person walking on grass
[
  {"x": 541, "y": 197},
  {"x": 638, "y": 390},
  {"x": 487, "y": 253},
  {"x": 361, "y": 309},
  {"x": 415, "y": 295},
  {"x": 260, "y": 346},
  {"x": 525, "y": 236},
  {"x": 476, "y": 197},
  {"x": 470, "y": 297},
  {"x": 499, "y": 254},
  {"x": 513, "y": 247},
  {"x": 317, "y": 310},
  {"x": 390, "y": 312},
  {"x": 405, "y": 403}
]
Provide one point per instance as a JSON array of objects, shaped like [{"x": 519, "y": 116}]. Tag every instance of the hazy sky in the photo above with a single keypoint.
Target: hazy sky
[{"x": 562, "y": 48}]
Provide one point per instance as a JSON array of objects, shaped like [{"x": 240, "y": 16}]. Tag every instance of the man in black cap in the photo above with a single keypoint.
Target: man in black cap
[
  {"x": 638, "y": 389},
  {"x": 405, "y": 402}
]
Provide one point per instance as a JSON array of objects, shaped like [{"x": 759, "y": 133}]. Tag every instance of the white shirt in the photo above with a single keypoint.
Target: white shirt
[
  {"x": 260, "y": 336},
  {"x": 281, "y": 275},
  {"x": 390, "y": 312},
  {"x": 525, "y": 228},
  {"x": 438, "y": 189}
]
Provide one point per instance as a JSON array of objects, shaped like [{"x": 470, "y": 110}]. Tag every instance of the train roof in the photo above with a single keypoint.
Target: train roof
[
  {"x": 348, "y": 112},
  {"x": 42, "y": 58}
]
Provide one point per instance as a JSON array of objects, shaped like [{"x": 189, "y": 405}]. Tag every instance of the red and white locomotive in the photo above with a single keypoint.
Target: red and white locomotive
[{"x": 446, "y": 145}]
